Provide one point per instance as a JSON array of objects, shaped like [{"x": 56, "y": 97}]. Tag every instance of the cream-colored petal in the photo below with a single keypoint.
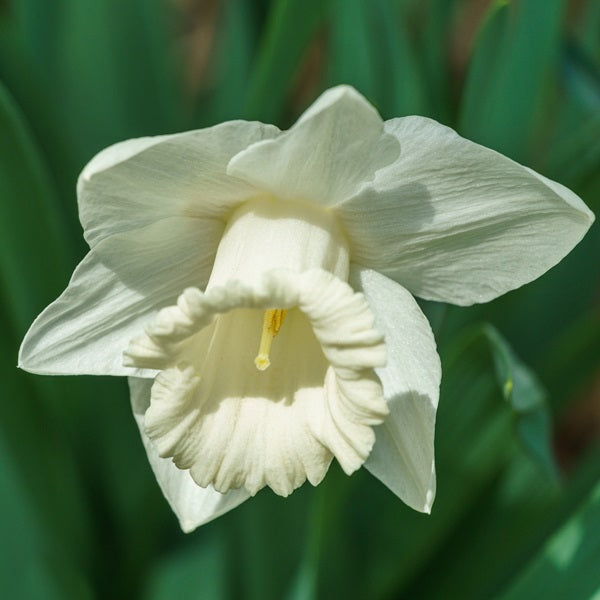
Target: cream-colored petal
[
  {"x": 110, "y": 296},
  {"x": 403, "y": 455},
  {"x": 193, "y": 505},
  {"x": 234, "y": 426},
  {"x": 336, "y": 146},
  {"x": 120, "y": 152},
  {"x": 453, "y": 221},
  {"x": 136, "y": 183}
]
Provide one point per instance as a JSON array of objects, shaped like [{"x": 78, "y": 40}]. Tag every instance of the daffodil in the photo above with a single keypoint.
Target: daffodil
[{"x": 256, "y": 285}]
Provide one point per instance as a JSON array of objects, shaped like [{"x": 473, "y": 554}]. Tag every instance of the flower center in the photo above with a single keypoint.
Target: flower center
[
  {"x": 265, "y": 233},
  {"x": 272, "y": 321}
]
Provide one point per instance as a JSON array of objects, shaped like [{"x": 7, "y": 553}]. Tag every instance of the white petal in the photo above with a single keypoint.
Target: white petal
[
  {"x": 120, "y": 152},
  {"x": 138, "y": 182},
  {"x": 232, "y": 425},
  {"x": 109, "y": 297},
  {"x": 335, "y": 146},
  {"x": 192, "y": 504},
  {"x": 403, "y": 456},
  {"x": 453, "y": 221}
]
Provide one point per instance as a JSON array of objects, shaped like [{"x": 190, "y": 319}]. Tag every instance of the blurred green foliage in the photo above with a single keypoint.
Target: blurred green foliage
[{"x": 517, "y": 514}]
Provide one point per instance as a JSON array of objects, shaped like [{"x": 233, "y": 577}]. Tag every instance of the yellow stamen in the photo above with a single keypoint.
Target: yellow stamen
[{"x": 272, "y": 321}]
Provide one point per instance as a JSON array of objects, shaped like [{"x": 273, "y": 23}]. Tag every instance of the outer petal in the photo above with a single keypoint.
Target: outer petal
[
  {"x": 403, "y": 455},
  {"x": 140, "y": 181},
  {"x": 335, "y": 146},
  {"x": 111, "y": 296},
  {"x": 451, "y": 220},
  {"x": 192, "y": 504}
]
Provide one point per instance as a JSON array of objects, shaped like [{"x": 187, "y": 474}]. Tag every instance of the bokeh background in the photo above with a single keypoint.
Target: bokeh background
[{"x": 517, "y": 513}]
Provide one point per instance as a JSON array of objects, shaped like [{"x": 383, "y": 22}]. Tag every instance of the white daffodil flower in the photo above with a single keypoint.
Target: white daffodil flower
[{"x": 256, "y": 286}]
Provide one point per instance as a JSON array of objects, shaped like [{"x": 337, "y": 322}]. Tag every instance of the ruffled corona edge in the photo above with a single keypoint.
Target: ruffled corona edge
[{"x": 234, "y": 426}]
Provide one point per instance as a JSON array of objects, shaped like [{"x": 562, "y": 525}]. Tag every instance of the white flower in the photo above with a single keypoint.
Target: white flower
[{"x": 218, "y": 281}]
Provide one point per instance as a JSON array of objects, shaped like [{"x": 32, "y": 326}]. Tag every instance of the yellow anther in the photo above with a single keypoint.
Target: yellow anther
[{"x": 272, "y": 321}]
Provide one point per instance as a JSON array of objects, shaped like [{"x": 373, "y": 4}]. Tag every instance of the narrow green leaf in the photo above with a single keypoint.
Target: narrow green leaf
[
  {"x": 290, "y": 27},
  {"x": 517, "y": 49},
  {"x": 433, "y": 51},
  {"x": 352, "y": 60},
  {"x": 572, "y": 152},
  {"x": 34, "y": 245},
  {"x": 24, "y": 69},
  {"x": 232, "y": 61},
  {"x": 88, "y": 74},
  {"x": 116, "y": 56},
  {"x": 487, "y": 55},
  {"x": 400, "y": 75},
  {"x": 143, "y": 33},
  {"x": 371, "y": 50},
  {"x": 43, "y": 517},
  {"x": 567, "y": 566}
]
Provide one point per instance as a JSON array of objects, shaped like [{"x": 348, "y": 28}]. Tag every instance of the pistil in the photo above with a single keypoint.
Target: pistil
[{"x": 272, "y": 321}]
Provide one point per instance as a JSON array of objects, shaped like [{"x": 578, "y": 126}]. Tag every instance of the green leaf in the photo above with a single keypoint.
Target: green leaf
[
  {"x": 371, "y": 50},
  {"x": 528, "y": 400},
  {"x": 290, "y": 27},
  {"x": 115, "y": 55},
  {"x": 43, "y": 516},
  {"x": 433, "y": 51},
  {"x": 572, "y": 152},
  {"x": 34, "y": 244},
  {"x": 401, "y": 86},
  {"x": 199, "y": 569},
  {"x": 477, "y": 439},
  {"x": 518, "y": 508},
  {"x": 32, "y": 563},
  {"x": 505, "y": 528},
  {"x": 231, "y": 65},
  {"x": 88, "y": 74},
  {"x": 567, "y": 565},
  {"x": 486, "y": 57},
  {"x": 352, "y": 60},
  {"x": 512, "y": 63},
  {"x": 519, "y": 385}
]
